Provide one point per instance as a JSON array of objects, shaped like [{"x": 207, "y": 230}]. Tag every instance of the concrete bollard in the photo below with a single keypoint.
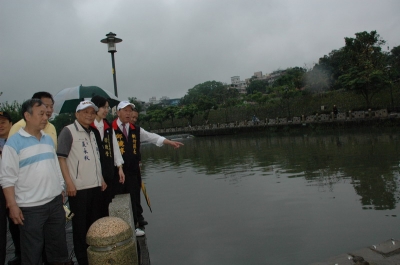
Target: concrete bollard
[{"x": 111, "y": 241}]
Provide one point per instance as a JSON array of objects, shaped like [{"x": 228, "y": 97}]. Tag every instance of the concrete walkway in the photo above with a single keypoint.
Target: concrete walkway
[
  {"x": 141, "y": 241},
  {"x": 385, "y": 253}
]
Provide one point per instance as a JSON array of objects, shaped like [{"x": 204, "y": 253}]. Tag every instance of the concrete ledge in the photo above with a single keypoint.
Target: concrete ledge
[{"x": 385, "y": 253}]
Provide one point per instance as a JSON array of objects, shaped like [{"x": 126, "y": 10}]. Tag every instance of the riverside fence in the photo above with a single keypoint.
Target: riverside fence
[{"x": 344, "y": 119}]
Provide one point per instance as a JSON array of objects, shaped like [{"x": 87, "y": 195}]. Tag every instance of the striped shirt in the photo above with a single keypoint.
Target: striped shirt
[{"x": 31, "y": 166}]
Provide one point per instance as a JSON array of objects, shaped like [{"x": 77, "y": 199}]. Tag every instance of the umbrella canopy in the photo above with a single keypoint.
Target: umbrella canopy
[
  {"x": 68, "y": 99},
  {"x": 146, "y": 196}
]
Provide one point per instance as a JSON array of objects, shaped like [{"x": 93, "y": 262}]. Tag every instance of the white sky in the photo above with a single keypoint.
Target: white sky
[{"x": 169, "y": 46}]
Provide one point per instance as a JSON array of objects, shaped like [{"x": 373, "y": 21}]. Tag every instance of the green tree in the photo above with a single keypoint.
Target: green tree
[
  {"x": 205, "y": 104},
  {"x": 146, "y": 118},
  {"x": 293, "y": 77},
  {"x": 138, "y": 104},
  {"x": 170, "y": 113},
  {"x": 209, "y": 89},
  {"x": 394, "y": 63},
  {"x": 14, "y": 109},
  {"x": 155, "y": 107},
  {"x": 286, "y": 95},
  {"x": 229, "y": 104},
  {"x": 257, "y": 97},
  {"x": 256, "y": 86},
  {"x": 158, "y": 115},
  {"x": 188, "y": 112},
  {"x": 365, "y": 66},
  {"x": 62, "y": 120}
]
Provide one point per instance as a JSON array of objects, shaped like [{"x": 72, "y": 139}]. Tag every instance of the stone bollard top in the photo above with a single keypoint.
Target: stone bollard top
[{"x": 107, "y": 231}]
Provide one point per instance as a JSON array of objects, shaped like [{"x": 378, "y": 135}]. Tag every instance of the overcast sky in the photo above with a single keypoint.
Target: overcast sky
[{"x": 169, "y": 46}]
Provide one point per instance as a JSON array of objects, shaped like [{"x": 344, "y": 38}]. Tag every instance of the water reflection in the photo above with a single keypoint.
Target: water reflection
[
  {"x": 257, "y": 199},
  {"x": 370, "y": 161}
]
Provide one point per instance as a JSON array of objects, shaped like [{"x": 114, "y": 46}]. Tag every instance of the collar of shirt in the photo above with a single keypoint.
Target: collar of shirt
[
  {"x": 26, "y": 134},
  {"x": 100, "y": 127},
  {"x": 99, "y": 124},
  {"x": 120, "y": 124},
  {"x": 83, "y": 128}
]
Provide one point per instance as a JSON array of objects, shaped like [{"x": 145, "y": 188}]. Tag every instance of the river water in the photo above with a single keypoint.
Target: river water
[{"x": 260, "y": 199}]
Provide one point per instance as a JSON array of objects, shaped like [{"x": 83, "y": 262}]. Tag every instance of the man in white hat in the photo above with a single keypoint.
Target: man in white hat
[
  {"x": 79, "y": 159},
  {"x": 128, "y": 138}
]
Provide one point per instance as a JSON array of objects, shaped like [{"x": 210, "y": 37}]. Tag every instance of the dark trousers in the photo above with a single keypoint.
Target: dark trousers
[
  {"x": 44, "y": 226},
  {"x": 132, "y": 186},
  {"x": 87, "y": 209},
  {"x": 15, "y": 235},
  {"x": 14, "y": 230},
  {"x": 3, "y": 227},
  {"x": 106, "y": 197}
]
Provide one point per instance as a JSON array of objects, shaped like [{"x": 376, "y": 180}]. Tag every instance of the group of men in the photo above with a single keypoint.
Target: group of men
[{"x": 91, "y": 162}]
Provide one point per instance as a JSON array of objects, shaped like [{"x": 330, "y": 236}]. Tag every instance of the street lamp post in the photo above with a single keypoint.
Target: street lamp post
[{"x": 111, "y": 40}]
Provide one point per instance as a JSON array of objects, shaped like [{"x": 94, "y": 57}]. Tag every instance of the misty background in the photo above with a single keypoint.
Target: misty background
[{"x": 170, "y": 46}]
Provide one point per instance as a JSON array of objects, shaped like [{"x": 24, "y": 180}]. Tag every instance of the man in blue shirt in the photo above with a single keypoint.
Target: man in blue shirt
[{"x": 33, "y": 186}]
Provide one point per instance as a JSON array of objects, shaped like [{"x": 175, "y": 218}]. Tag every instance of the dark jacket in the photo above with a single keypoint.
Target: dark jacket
[
  {"x": 130, "y": 148},
  {"x": 106, "y": 151}
]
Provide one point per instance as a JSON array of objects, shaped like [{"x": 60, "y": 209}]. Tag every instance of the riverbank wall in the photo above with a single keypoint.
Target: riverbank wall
[{"x": 312, "y": 123}]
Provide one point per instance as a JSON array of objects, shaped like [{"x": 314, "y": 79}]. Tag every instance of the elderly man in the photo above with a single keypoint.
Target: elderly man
[
  {"x": 79, "y": 158},
  {"x": 5, "y": 126},
  {"x": 49, "y": 129},
  {"x": 33, "y": 185}
]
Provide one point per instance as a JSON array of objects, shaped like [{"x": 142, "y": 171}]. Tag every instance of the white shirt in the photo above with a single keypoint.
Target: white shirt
[
  {"x": 118, "y": 160},
  {"x": 145, "y": 136},
  {"x": 100, "y": 126},
  {"x": 153, "y": 138}
]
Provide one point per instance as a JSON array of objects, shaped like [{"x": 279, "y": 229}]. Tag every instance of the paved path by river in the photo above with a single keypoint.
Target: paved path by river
[{"x": 385, "y": 253}]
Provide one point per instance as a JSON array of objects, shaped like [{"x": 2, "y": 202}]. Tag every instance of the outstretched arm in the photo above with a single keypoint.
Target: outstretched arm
[{"x": 174, "y": 144}]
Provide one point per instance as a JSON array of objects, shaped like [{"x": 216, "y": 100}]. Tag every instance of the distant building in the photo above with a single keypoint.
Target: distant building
[
  {"x": 171, "y": 102},
  {"x": 153, "y": 100},
  {"x": 166, "y": 101},
  {"x": 258, "y": 75},
  {"x": 236, "y": 83},
  {"x": 268, "y": 78},
  {"x": 272, "y": 77}
]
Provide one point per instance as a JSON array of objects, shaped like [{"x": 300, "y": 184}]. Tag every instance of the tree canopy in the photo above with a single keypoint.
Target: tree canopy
[
  {"x": 210, "y": 89},
  {"x": 364, "y": 65}
]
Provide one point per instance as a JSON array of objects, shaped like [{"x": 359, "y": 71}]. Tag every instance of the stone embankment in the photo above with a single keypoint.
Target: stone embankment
[
  {"x": 348, "y": 120},
  {"x": 385, "y": 253}
]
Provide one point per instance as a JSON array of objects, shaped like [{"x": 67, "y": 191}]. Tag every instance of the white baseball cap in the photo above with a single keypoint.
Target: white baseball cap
[
  {"x": 86, "y": 104},
  {"x": 125, "y": 103}
]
